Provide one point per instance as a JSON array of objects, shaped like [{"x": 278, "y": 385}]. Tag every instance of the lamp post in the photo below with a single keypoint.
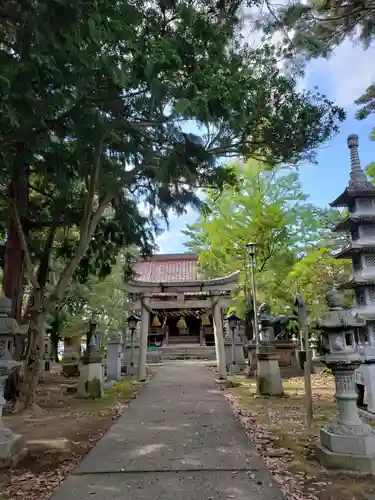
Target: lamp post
[
  {"x": 132, "y": 323},
  {"x": 251, "y": 247}
]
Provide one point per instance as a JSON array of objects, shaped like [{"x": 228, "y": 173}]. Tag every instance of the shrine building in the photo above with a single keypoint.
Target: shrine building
[{"x": 177, "y": 306}]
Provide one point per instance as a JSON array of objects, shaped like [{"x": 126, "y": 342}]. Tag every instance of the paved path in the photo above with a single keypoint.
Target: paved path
[{"x": 179, "y": 440}]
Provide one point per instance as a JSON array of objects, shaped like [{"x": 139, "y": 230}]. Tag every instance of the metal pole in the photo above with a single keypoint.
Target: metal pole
[
  {"x": 233, "y": 358},
  {"x": 132, "y": 348},
  {"x": 256, "y": 326}
]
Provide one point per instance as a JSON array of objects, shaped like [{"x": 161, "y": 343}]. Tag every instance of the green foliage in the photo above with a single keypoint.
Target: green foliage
[
  {"x": 315, "y": 28},
  {"x": 103, "y": 296},
  {"x": 96, "y": 99},
  {"x": 314, "y": 275},
  {"x": 367, "y": 100},
  {"x": 269, "y": 208}
]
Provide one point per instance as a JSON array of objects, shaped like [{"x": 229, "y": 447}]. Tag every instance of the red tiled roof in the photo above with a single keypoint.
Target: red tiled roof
[{"x": 167, "y": 267}]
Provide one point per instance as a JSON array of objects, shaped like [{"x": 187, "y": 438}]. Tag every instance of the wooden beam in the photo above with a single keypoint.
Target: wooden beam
[
  {"x": 180, "y": 304},
  {"x": 216, "y": 284},
  {"x": 136, "y": 305}
]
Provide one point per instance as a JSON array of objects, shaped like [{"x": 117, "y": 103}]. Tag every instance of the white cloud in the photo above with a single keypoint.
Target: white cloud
[{"x": 346, "y": 74}]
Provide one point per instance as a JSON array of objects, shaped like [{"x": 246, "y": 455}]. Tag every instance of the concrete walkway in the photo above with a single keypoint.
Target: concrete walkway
[{"x": 179, "y": 440}]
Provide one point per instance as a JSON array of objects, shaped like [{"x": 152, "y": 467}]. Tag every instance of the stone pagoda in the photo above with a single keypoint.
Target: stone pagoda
[{"x": 359, "y": 199}]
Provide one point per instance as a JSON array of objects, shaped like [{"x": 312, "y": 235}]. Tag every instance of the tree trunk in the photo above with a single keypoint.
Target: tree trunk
[
  {"x": 34, "y": 355},
  {"x": 13, "y": 281}
]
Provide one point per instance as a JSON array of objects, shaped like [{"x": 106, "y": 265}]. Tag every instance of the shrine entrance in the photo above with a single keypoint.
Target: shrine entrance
[
  {"x": 176, "y": 306},
  {"x": 184, "y": 329}
]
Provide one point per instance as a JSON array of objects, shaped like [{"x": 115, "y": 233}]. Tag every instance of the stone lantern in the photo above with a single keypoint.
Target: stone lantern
[
  {"x": 91, "y": 373},
  {"x": 114, "y": 356},
  {"x": 234, "y": 353},
  {"x": 11, "y": 445},
  {"x": 346, "y": 442},
  {"x": 269, "y": 381}
]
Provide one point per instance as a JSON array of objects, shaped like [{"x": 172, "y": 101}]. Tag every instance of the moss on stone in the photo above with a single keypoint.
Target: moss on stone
[
  {"x": 94, "y": 388},
  {"x": 262, "y": 383}
]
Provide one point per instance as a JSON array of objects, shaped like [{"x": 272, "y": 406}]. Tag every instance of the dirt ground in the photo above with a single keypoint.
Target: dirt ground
[
  {"x": 58, "y": 437},
  {"x": 278, "y": 428}
]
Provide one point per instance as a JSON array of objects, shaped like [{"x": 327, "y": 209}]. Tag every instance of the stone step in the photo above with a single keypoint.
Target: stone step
[{"x": 187, "y": 352}]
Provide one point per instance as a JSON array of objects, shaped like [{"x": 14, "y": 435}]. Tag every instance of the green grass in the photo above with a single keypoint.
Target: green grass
[{"x": 121, "y": 393}]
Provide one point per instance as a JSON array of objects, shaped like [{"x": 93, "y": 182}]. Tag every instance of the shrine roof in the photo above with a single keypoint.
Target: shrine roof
[
  {"x": 167, "y": 268},
  {"x": 349, "y": 194},
  {"x": 351, "y": 220},
  {"x": 353, "y": 248},
  {"x": 356, "y": 283}
]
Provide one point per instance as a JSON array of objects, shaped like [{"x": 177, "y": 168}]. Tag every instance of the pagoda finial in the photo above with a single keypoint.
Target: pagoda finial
[{"x": 357, "y": 175}]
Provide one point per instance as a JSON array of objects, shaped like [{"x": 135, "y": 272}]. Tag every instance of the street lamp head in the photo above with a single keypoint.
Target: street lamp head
[
  {"x": 251, "y": 248},
  {"x": 132, "y": 321}
]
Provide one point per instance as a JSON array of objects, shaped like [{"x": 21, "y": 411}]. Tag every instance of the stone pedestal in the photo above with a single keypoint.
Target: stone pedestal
[
  {"x": 114, "y": 357},
  {"x": 90, "y": 383},
  {"x": 70, "y": 361},
  {"x": 347, "y": 442},
  {"x": 234, "y": 353},
  {"x": 269, "y": 381},
  {"x": 154, "y": 355},
  {"x": 126, "y": 357},
  {"x": 131, "y": 370},
  {"x": 12, "y": 446},
  {"x": 233, "y": 369}
]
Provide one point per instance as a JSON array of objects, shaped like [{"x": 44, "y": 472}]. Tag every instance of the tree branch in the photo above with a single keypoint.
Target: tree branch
[{"x": 88, "y": 224}]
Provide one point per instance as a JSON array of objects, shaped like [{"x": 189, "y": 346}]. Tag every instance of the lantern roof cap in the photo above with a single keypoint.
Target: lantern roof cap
[
  {"x": 338, "y": 317},
  {"x": 232, "y": 315}
]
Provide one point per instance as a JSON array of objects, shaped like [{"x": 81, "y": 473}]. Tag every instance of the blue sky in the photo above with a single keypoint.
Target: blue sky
[{"x": 343, "y": 78}]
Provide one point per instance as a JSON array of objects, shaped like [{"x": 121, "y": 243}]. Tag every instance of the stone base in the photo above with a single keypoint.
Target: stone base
[
  {"x": 239, "y": 355},
  {"x": 361, "y": 443},
  {"x": 90, "y": 383},
  {"x": 223, "y": 384},
  {"x": 233, "y": 369},
  {"x": 113, "y": 370},
  {"x": 131, "y": 370},
  {"x": 126, "y": 351},
  {"x": 269, "y": 381},
  {"x": 317, "y": 367},
  {"x": 358, "y": 463},
  {"x": 154, "y": 356},
  {"x": 12, "y": 448},
  {"x": 109, "y": 384}
]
